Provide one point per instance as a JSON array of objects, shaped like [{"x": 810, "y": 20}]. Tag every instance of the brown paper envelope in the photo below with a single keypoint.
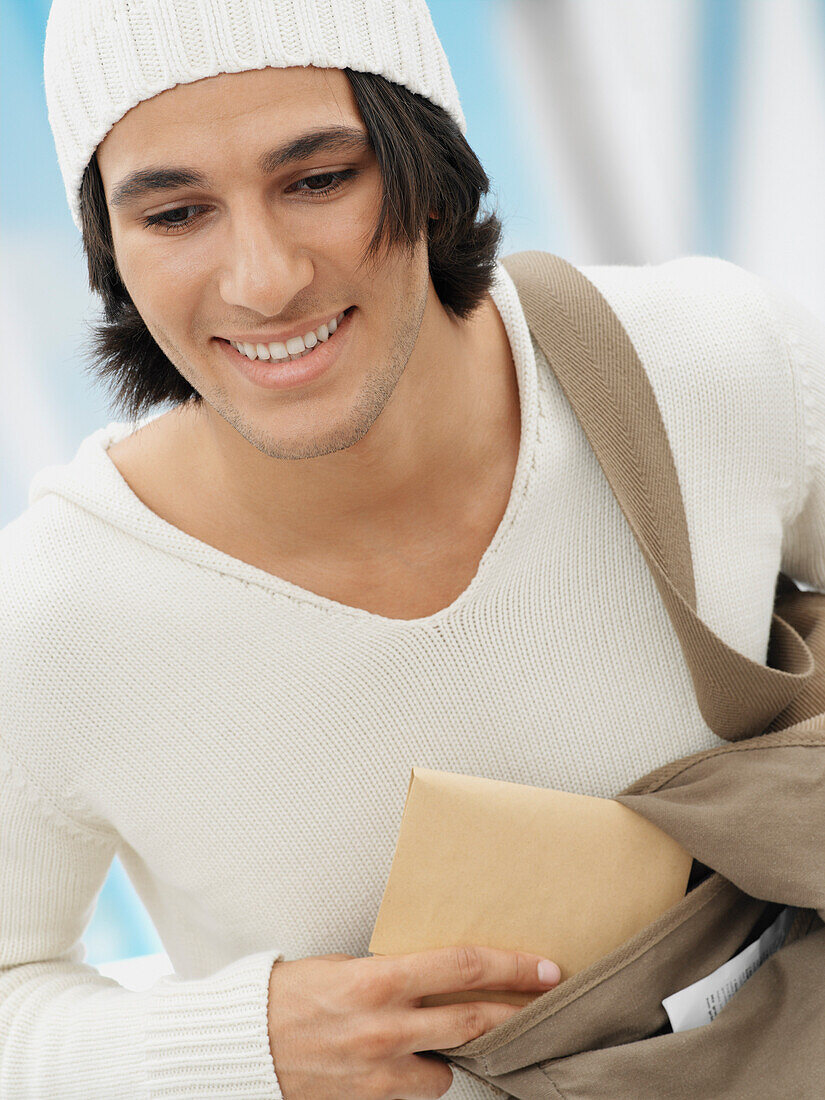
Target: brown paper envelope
[{"x": 482, "y": 861}]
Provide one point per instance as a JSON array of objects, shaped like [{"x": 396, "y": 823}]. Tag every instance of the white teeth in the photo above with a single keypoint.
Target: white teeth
[{"x": 294, "y": 348}]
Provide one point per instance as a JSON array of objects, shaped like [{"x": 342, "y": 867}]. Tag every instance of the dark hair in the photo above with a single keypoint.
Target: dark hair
[{"x": 425, "y": 164}]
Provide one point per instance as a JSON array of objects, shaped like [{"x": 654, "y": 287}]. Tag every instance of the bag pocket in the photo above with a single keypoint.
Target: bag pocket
[
  {"x": 618, "y": 998},
  {"x": 767, "y": 1036}
]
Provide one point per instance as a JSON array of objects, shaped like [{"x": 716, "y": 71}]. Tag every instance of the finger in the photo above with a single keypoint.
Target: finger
[
  {"x": 452, "y": 969},
  {"x": 444, "y": 1026}
]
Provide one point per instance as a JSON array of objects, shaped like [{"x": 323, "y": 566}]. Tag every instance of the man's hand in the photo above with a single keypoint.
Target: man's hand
[{"x": 343, "y": 1027}]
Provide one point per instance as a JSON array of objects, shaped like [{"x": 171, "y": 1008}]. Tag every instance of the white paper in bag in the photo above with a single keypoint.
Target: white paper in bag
[{"x": 698, "y": 1004}]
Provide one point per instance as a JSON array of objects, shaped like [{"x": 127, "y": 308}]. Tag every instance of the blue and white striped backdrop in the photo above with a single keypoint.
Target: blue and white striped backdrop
[{"x": 614, "y": 131}]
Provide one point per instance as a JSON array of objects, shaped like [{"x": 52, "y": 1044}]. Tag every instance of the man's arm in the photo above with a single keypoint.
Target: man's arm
[
  {"x": 66, "y": 1032},
  {"x": 803, "y": 546}
]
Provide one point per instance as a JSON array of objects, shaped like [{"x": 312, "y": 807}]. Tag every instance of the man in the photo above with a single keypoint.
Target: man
[
  {"x": 231, "y": 628},
  {"x": 391, "y": 513}
]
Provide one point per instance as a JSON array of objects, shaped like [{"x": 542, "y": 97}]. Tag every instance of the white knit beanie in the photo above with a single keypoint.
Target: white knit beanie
[{"x": 101, "y": 57}]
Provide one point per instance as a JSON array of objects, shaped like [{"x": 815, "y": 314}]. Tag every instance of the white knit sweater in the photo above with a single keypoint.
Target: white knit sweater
[{"x": 244, "y": 745}]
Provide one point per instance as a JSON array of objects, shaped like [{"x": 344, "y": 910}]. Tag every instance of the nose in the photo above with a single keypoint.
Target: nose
[{"x": 261, "y": 269}]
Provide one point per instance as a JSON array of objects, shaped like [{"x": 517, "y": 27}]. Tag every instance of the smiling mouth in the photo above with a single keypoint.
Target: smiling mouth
[
  {"x": 282, "y": 374},
  {"x": 291, "y": 357}
]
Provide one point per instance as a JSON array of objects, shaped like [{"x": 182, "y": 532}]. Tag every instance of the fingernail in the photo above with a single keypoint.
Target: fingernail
[{"x": 549, "y": 973}]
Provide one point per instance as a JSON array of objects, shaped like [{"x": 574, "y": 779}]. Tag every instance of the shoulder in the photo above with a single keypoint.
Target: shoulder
[
  {"x": 717, "y": 355},
  {"x": 694, "y": 304},
  {"x": 704, "y": 323},
  {"x": 56, "y": 584},
  {"x": 693, "y": 274}
]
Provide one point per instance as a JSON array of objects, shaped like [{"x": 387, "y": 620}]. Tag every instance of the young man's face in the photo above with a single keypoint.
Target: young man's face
[{"x": 257, "y": 253}]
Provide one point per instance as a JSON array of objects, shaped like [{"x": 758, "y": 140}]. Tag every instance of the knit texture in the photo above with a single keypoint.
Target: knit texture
[
  {"x": 245, "y": 745},
  {"x": 102, "y": 57}
]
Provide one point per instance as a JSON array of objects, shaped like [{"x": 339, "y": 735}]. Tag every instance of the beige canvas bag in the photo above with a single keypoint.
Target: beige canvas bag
[{"x": 751, "y": 813}]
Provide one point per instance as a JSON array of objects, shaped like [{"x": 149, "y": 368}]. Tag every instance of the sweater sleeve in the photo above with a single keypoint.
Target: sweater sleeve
[
  {"x": 68, "y": 1033},
  {"x": 803, "y": 543}
]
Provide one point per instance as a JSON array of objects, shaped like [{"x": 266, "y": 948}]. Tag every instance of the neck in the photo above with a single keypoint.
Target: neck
[{"x": 450, "y": 415}]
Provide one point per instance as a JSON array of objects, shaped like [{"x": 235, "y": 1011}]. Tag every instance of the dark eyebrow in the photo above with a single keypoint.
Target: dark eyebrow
[{"x": 149, "y": 180}]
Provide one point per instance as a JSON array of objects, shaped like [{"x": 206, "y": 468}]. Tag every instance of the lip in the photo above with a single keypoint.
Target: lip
[
  {"x": 306, "y": 327},
  {"x": 291, "y": 373}
]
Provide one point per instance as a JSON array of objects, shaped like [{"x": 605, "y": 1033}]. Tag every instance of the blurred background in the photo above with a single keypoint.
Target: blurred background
[{"x": 613, "y": 132}]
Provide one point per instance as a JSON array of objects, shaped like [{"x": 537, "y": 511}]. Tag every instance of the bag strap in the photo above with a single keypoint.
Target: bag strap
[{"x": 597, "y": 366}]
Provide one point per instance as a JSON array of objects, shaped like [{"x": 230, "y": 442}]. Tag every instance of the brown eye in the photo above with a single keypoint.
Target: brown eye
[
  {"x": 163, "y": 219},
  {"x": 337, "y": 177}
]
